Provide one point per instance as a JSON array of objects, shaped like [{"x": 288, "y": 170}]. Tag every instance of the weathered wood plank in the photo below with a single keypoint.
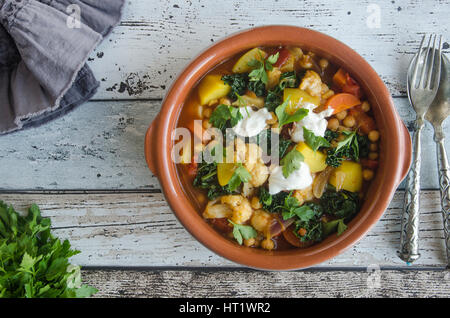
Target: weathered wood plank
[
  {"x": 100, "y": 145},
  {"x": 138, "y": 229},
  {"x": 300, "y": 284},
  {"x": 156, "y": 39}
]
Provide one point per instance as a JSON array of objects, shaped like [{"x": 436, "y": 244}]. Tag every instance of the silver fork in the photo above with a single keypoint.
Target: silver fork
[
  {"x": 436, "y": 114},
  {"x": 423, "y": 82}
]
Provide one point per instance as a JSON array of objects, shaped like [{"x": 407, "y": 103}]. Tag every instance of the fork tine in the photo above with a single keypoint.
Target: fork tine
[
  {"x": 425, "y": 64},
  {"x": 438, "y": 73},
  {"x": 431, "y": 70},
  {"x": 416, "y": 67}
]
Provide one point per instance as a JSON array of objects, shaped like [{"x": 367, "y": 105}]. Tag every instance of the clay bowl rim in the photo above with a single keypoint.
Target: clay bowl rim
[{"x": 389, "y": 174}]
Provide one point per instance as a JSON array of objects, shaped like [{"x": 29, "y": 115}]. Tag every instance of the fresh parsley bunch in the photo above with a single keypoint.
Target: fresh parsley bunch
[{"x": 33, "y": 263}]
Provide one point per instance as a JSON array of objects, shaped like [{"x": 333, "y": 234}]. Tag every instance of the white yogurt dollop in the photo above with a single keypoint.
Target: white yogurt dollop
[
  {"x": 253, "y": 122},
  {"x": 297, "y": 180},
  {"x": 314, "y": 122}
]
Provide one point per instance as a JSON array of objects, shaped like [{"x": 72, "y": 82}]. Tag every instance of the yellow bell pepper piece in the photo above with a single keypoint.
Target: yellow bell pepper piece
[
  {"x": 224, "y": 172},
  {"x": 297, "y": 98},
  {"x": 315, "y": 160},
  {"x": 212, "y": 87},
  {"x": 241, "y": 65},
  {"x": 352, "y": 176}
]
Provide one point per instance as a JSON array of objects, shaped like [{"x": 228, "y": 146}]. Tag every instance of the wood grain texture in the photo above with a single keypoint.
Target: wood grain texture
[
  {"x": 100, "y": 145},
  {"x": 138, "y": 229},
  {"x": 156, "y": 39},
  {"x": 303, "y": 284}
]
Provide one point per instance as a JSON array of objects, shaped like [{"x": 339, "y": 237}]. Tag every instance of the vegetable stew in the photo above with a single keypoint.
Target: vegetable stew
[{"x": 303, "y": 151}]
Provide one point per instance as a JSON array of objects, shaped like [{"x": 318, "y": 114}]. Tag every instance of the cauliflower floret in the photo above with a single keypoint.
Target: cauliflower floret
[
  {"x": 261, "y": 221},
  {"x": 312, "y": 83},
  {"x": 259, "y": 173},
  {"x": 306, "y": 60},
  {"x": 214, "y": 209},
  {"x": 242, "y": 210}
]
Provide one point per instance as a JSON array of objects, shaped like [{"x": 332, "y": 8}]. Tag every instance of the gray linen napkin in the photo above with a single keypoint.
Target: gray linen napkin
[{"x": 42, "y": 60}]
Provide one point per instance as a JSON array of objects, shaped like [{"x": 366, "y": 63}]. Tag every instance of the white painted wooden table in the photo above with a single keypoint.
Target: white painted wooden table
[{"x": 87, "y": 170}]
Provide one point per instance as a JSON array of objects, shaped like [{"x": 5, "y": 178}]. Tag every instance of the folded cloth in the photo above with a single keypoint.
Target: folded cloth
[{"x": 42, "y": 60}]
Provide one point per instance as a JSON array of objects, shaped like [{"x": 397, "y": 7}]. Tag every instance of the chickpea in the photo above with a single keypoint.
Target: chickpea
[
  {"x": 373, "y": 147},
  {"x": 302, "y": 232},
  {"x": 368, "y": 174},
  {"x": 341, "y": 115},
  {"x": 206, "y": 124},
  {"x": 268, "y": 244},
  {"x": 349, "y": 121},
  {"x": 323, "y": 63},
  {"x": 333, "y": 123},
  {"x": 373, "y": 156},
  {"x": 374, "y": 135},
  {"x": 207, "y": 112},
  {"x": 255, "y": 203},
  {"x": 365, "y": 106},
  {"x": 250, "y": 242}
]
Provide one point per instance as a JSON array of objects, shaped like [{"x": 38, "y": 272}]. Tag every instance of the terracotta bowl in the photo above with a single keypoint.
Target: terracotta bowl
[{"x": 395, "y": 147}]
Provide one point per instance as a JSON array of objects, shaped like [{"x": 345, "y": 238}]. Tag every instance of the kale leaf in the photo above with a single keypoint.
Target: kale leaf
[
  {"x": 238, "y": 83},
  {"x": 206, "y": 178},
  {"x": 343, "y": 204}
]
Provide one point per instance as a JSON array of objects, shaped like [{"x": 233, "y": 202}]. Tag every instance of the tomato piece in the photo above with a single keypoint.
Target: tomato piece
[
  {"x": 352, "y": 87},
  {"x": 347, "y": 84},
  {"x": 341, "y": 102},
  {"x": 283, "y": 57},
  {"x": 365, "y": 122},
  {"x": 289, "y": 236}
]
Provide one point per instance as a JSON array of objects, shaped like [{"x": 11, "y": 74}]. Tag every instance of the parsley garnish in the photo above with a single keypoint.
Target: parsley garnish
[
  {"x": 241, "y": 232},
  {"x": 291, "y": 162},
  {"x": 259, "y": 74},
  {"x": 284, "y": 118},
  {"x": 240, "y": 175},
  {"x": 34, "y": 263},
  {"x": 313, "y": 141},
  {"x": 224, "y": 116}
]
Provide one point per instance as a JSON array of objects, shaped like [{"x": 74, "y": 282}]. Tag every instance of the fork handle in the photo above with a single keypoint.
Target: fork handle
[
  {"x": 444, "y": 186},
  {"x": 409, "y": 236}
]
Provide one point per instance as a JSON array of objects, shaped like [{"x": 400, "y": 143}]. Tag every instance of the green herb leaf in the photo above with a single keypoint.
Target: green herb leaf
[
  {"x": 284, "y": 118},
  {"x": 259, "y": 74},
  {"x": 33, "y": 263},
  {"x": 313, "y": 141},
  {"x": 225, "y": 116},
  {"x": 272, "y": 59},
  {"x": 240, "y": 175},
  {"x": 291, "y": 162},
  {"x": 241, "y": 232},
  {"x": 347, "y": 148}
]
